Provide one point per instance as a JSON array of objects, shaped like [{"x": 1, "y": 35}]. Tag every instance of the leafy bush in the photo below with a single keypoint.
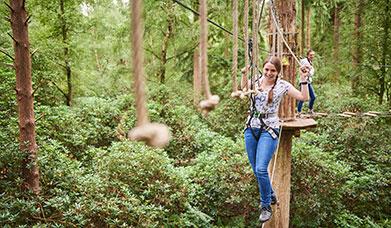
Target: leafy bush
[
  {"x": 92, "y": 123},
  {"x": 223, "y": 184},
  {"x": 317, "y": 183}
]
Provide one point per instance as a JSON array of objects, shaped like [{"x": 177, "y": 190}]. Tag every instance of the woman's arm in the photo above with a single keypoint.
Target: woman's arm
[{"x": 301, "y": 95}]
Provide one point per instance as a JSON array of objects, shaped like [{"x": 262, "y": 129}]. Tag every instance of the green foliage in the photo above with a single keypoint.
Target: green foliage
[
  {"x": 92, "y": 123},
  {"x": 92, "y": 176},
  {"x": 317, "y": 189},
  {"x": 223, "y": 183}
]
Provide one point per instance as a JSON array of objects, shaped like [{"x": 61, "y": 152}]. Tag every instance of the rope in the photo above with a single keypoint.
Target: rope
[
  {"x": 153, "y": 134},
  {"x": 254, "y": 58},
  {"x": 235, "y": 45},
  {"x": 203, "y": 47},
  {"x": 138, "y": 71},
  {"x": 211, "y": 101},
  {"x": 245, "y": 19}
]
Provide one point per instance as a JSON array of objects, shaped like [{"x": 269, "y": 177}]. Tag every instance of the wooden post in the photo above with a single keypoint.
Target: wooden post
[{"x": 281, "y": 177}]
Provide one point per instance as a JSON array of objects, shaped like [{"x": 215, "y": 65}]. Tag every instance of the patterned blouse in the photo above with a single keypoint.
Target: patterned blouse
[{"x": 261, "y": 105}]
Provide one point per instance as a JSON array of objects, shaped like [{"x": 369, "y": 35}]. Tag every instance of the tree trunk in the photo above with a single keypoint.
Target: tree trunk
[
  {"x": 308, "y": 28},
  {"x": 287, "y": 10},
  {"x": 386, "y": 26},
  {"x": 64, "y": 31},
  {"x": 357, "y": 50},
  {"x": 336, "y": 26},
  {"x": 24, "y": 94},
  {"x": 166, "y": 40}
]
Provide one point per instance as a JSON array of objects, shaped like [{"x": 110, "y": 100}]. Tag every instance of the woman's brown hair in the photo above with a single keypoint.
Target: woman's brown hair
[{"x": 277, "y": 64}]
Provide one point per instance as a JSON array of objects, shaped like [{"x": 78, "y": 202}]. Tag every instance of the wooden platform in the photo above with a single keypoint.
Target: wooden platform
[{"x": 297, "y": 124}]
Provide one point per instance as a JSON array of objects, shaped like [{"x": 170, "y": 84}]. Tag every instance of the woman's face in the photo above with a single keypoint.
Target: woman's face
[{"x": 270, "y": 71}]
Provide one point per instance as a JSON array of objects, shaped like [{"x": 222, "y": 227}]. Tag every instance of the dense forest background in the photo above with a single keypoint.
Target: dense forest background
[{"x": 90, "y": 175}]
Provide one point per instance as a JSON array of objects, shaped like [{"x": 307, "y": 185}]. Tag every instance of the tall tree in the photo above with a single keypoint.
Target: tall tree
[
  {"x": 64, "y": 32},
  {"x": 336, "y": 39},
  {"x": 385, "y": 47},
  {"x": 357, "y": 48},
  {"x": 56, "y": 23},
  {"x": 24, "y": 93},
  {"x": 308, "y": 26},
  {"x": 166, "y": 40}
]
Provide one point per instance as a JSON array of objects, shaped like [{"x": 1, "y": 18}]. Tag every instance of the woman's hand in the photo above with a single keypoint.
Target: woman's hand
[{"x": 304, "y": 72}]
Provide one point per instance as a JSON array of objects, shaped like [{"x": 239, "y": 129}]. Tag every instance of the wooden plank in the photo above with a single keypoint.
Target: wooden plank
[
  {"x": 374, "y": 112},
  {"x": 344, "y": 115},
  {"x": 370, "y": 114},
  {"x": 321, "y": 114},
  {"x": 350, "y": 113}
]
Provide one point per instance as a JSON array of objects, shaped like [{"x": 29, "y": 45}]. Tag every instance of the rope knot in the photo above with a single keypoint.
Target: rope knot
[
  {"x": 210, "y": 103},
  {"x": 153, "y": 134}
]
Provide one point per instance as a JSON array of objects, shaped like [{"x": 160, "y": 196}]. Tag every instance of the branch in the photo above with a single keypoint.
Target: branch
[
  {"x": 63, "y": 93},
  {"x": 8, "y": 19},
  {"x": 39, "y": 86},
  {"x": 27, "y": 20},
  {"x": 12, "y": 37},
  {"x": 184, "y": 52},
  {"x": 12, "y": 10},
  {"x": 7, "y": 65},
  {"x": 32, "y": 53},
  {"x": 153, "y": 53},
  {"x": 5, "y": 53}
]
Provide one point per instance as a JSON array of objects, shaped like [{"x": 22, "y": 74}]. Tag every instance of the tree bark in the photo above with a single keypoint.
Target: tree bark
[
  {"x": 25, "y": 98},
  {"x": 336, "y": 37},
  {"x": 68, "y": 71},
  {"x": 357, "y": 50},
  {"x": 166, "y": 40},
  {"x": 308, "y": 28},
  {"x": 386, "y": 26},
  {"x": 287, "y": 10}
]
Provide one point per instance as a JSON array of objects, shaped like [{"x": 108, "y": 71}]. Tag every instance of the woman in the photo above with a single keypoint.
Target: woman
[
  {"x": 262, "y": 128},
  {"x": 308, "y": 63}
]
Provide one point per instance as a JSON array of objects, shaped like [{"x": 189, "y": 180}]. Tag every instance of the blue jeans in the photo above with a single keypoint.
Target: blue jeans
[
  {"x": 312, "y": 99},
  {"x": 259, "y": 154}
]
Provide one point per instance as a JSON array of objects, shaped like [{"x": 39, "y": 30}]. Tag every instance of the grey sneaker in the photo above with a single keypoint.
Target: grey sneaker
[
  {"x": 298, "y": 115},
  {"x": 266, "y": 214},
  {"x": 311, "y": 112}
]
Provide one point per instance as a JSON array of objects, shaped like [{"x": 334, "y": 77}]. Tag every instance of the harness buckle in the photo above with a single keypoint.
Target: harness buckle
[{"x": 272, "y": 133}]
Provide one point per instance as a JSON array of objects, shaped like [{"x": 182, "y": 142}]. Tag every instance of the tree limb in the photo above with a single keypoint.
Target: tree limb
[
  {"x": 12, "y": 37},
  {"x": 32, "y": 53},
  {"x": 8, "y": 19},
  {"x": 153, "y": 53},
  {"x": 7, "y": 65},
  {"x": 12, "y": 10},
  {"x": 63, "y": 93},
  {"x": 184, "y": 52},
  {"x": 39, "y": 86},
  {"x": 5, "y": 53},
  {"x": 27, "y": 20}
]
